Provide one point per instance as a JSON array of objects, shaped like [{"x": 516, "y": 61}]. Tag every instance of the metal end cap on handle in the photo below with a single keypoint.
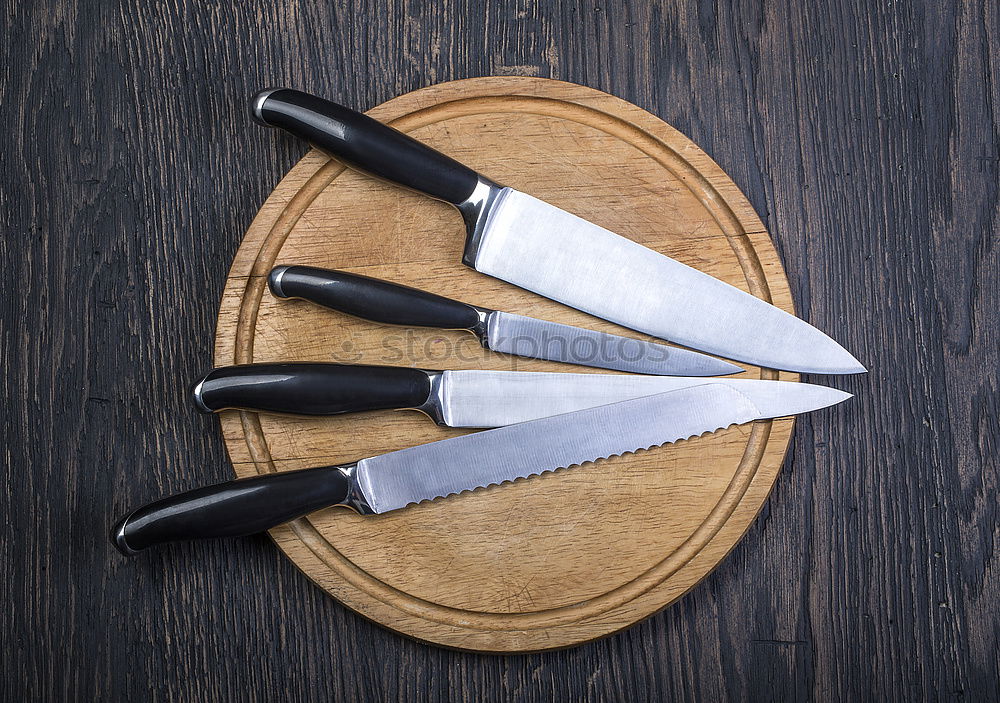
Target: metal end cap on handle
[
  {"x": 199, "y": 400},
  {"x": 257, "y": 106},
  {"x": 274, "y": 280},
  {"x": 118, "y": 537}
]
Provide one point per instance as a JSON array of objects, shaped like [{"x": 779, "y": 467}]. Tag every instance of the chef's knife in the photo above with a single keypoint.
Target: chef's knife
[
  {"x": 390, "y": 303},
  {"x": 525, "y": 241},
  {"x": 393, "y": 481},
  {"x": 472, "y": 398}
]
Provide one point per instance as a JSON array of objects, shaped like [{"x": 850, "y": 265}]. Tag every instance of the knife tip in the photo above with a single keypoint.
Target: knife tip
[
  {"x": 701, "y": 365},
  {"x": 852, "y": 366},
  {"x": 727, "y": 369},
  {"x": 834, "y": 360}
]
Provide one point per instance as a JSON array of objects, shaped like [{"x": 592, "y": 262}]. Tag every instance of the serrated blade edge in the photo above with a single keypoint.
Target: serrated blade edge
[{"x": 395, "y": 480}]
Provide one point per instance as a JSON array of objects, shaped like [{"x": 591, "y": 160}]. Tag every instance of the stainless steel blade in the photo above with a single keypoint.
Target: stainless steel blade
[
  {"x": 539, "y": 339},
  {"x": 438, "y": 469},
  {"x": 537, "y": 246},
  {"x": 498, "y": 398}
]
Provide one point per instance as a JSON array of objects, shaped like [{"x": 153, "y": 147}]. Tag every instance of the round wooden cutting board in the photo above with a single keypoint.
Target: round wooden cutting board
[{"x": 554, "y": 560}]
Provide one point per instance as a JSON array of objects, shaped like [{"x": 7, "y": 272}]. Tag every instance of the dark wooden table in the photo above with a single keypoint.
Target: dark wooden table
[{"x": 865, "y": 134}]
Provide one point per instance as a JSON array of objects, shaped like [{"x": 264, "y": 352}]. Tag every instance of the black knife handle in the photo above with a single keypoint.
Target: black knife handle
[
  {"x": 365, "y": 144},
  {"x": 312, "y": 389},
  {"x": 232, "y": 509},
  {"x": 371, "y": 298}
]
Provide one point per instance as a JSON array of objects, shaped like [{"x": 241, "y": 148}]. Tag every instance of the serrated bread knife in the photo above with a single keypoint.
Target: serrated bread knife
[
  {"x": 395, "y": 480},
  {"x": 473, "y": 398},
  {"x": 393, "y": 304},
  {"x": 525, "y": 241}
]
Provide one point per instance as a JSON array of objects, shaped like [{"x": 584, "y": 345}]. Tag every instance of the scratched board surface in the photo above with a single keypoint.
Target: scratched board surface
[
  {"x": 864, "y": 135},
  {"x": 562, "y": 558}
]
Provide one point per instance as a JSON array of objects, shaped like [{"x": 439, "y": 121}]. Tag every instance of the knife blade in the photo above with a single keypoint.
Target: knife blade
[
  {"x": 395, "y": 480},
  {"x": 471, "y": 398},
  {"x": 394, "y": 304},
  {"x": 532, "y": 244}
]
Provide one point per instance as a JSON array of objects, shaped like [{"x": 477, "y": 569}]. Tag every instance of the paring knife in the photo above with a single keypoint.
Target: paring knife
[
  {"x": 466, "y": 398},
  {"x": 392, "y": 481},
  {"x": 391, "y": 303},
  {"x": 525, "y": 241}
]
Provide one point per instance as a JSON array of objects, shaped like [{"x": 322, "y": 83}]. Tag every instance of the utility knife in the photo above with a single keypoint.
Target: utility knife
[
  {"x": 390, "y": 303},
  {"x": 395, "y": 480},
  {"x": 473, "y": 398},
  {"x": 522, "y": 240}
]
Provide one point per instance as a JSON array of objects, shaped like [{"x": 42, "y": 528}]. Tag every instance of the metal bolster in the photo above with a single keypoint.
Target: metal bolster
[
  {"x": 355, "y": 495},
  {"x": 482, "y": 327},
  {"x": 476, "y": 211},
  {"x": 434, "y": 406}
]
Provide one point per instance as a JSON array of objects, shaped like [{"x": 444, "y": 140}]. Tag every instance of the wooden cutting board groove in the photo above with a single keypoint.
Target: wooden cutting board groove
[{"x": 555, "y": 560}]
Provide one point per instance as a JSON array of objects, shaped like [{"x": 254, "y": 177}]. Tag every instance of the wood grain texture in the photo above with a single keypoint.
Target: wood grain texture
[
  {"x": 864, "y": 135},
  {"x": 542, "y": 564}
]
